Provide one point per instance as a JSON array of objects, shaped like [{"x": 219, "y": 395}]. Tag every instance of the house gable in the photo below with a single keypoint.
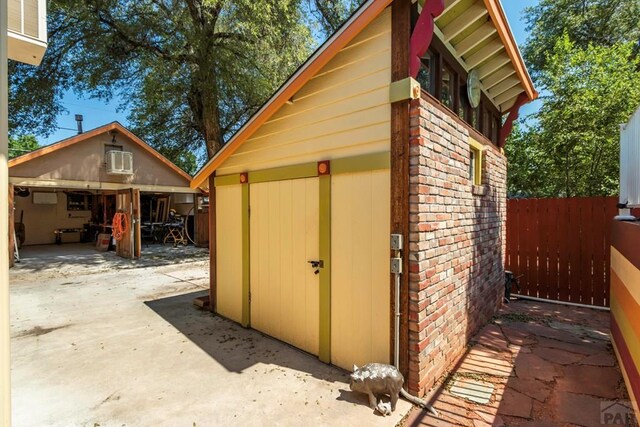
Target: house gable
[{"x": 82, "y": 158}]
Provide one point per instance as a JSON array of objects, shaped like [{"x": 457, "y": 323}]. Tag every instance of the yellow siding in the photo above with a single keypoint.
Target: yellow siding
[
  {"x": 284, "y": 226},
  {"x": 229, "y": 251},
  {"x": 360, "y": 304},
  {"x": 343, "y": 111}
]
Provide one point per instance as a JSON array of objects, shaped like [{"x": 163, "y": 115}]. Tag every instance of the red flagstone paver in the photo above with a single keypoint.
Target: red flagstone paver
[
  {"x": 530, "y": 366},
  {"x": 486, "y": 361},
  {"x": 584, "y": 348},
  {"x": 600, "y": 359},
  {"x": 594, "y": 380},
  {"x": 579, "y": 409},
  {"x": 530, "y": 387},
  {"x": 517, "y": 337},
  {"x": 515, "y": 404},
  {"x": 555, "y": 355},
  {"x": 491, "y": 336}
]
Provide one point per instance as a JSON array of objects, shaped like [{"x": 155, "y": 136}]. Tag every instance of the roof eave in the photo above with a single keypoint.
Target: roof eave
[
  {"x": 367, "y": 13},
  {"x": 496, "y": 12}
]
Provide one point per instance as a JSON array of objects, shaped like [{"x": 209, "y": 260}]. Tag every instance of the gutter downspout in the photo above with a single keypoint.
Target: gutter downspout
[{"x": 396, "y": 269}]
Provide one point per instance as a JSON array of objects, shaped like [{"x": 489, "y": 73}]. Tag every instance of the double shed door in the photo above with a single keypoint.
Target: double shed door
[{"x": 284, "y": 289}]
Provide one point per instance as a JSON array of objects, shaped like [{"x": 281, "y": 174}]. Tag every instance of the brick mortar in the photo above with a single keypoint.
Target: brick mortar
[{"x": 456, "y": 243}]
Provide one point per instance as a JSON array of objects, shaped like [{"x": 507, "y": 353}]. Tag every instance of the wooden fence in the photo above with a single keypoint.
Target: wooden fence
[{"x": 561, "y": 247}]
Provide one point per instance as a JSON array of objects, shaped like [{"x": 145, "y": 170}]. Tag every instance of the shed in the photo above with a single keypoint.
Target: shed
[
  {"x": 69, "y": 191},
  {"x": 394, "y": 126}
]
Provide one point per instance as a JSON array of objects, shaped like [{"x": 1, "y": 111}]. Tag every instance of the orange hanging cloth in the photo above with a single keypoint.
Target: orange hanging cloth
[{"x": 120, "y": 225}]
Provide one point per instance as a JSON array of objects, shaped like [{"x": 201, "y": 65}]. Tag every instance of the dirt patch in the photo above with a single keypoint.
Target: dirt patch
[{"x": 37, "y": 331}]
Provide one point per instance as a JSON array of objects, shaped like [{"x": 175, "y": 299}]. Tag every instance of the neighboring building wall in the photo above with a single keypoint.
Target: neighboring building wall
[
  {"x": 342, "y": 111},
  {"x": 625, "y": 304},
  {"x": 85, "y": 161},
  {"x": 40, "y": 220},
  {"x": 457, "y": 243}
]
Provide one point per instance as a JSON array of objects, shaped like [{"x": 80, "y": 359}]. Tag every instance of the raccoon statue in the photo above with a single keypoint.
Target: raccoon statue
[{"x": 377, "y": 379}]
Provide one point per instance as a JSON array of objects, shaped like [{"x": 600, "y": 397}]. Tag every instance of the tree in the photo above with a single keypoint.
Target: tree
[
  {"x": 571, "y": 148},
  {"x": 191, "y": 71},
  {"x": 597, "y": 22},
  {"x": 22, "y": 145},
  {"x": 331, "y": 13}
]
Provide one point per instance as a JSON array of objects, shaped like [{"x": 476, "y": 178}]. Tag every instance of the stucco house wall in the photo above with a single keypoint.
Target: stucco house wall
[{"x": 85, "y": 161}]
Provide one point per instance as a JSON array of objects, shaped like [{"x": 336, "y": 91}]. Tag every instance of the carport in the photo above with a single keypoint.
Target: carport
[{"x": 70, "y": 191}]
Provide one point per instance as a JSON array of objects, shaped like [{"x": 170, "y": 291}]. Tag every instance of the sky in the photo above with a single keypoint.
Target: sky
[{"x": 97, "y": 113}]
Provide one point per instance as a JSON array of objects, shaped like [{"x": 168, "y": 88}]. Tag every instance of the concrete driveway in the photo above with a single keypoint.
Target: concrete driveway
[{"x": 107, "y": 343}]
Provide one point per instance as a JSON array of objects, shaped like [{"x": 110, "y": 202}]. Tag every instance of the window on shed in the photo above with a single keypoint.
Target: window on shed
[
  {"x": 476, "y": 151},
  {"x": 426, "y": 75},
  {"x": 448, "y": 87},
  {"x": 464, "y": 110}
]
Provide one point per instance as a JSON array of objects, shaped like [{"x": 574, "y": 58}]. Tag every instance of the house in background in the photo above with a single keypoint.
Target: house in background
[
  {"x": 394, "y": 126},
  {"x": 69, "y": 191}
]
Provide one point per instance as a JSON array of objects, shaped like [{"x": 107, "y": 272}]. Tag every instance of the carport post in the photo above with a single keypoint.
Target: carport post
[{"x": 5, "y": 372}]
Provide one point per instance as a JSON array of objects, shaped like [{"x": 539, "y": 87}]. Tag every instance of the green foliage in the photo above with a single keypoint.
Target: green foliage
[
  {"x": 331, "y": 13},
  {"x": 571, "y": 148},
  {"x": 597, "y": 22},
  {"x": 189, "y": 71},
  {"x": 22, "y": 145}
]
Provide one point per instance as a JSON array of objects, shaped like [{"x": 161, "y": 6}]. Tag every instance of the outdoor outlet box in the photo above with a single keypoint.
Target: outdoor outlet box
[
  {"x": 396, "y": 265},
  {"x": 396, "y": 242}
]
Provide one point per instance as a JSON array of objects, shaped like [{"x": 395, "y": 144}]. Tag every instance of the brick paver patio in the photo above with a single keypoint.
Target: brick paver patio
[{"x": 549, "y": 365}]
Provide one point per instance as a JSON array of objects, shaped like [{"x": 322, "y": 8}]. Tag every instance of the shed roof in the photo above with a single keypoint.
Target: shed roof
[{"x": 483, "y": 19}]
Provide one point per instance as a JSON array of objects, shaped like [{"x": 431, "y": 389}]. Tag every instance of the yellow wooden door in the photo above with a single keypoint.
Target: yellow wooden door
[
  {"x": 284, "y": 229},
  {"x": 360, "y": 276}
]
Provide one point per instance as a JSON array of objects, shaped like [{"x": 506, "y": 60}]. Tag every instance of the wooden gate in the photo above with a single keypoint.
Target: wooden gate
[{"x": 560, "y": 248}]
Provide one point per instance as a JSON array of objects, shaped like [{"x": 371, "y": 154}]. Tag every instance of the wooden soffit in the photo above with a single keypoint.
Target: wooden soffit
[{"x": 477, "y": 33}]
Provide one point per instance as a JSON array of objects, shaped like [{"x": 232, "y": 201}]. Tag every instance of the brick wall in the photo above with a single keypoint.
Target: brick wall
[{"x": 457, "y": 243}]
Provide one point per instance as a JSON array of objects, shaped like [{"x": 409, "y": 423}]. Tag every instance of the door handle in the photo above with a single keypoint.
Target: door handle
[{"x": 317, "y": 265}]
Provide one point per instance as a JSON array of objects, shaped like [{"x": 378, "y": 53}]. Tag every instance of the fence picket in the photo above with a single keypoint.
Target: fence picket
[{"x": 560, "y": 247}]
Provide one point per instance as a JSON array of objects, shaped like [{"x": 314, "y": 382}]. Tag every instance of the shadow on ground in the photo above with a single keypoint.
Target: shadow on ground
[
  {"x": 83, "y": 257},
  {"x": 239, "y": 349},
  {"x": 536, "y": 364}
]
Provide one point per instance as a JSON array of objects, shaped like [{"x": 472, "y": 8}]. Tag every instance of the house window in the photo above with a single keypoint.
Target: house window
[
  {"x": 476, "y": 151},
  {"x": 426, "y": 75},
  {"x": 448, "y": 87},
  {"x": 79, "y": 202}
]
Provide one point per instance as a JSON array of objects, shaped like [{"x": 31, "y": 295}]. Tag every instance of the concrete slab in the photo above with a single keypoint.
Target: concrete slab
[
  {"x": 472, "y": 390},
  {"x": 111, "y": 346}
]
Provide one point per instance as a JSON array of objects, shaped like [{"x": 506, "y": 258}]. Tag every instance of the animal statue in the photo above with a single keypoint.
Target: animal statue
[
  {"x": 378, "y": 379},
  {"x": 384, "y": 408}
]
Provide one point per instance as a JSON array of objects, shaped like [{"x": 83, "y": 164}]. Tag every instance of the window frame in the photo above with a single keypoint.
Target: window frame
[{"x": 476, "y": 158}]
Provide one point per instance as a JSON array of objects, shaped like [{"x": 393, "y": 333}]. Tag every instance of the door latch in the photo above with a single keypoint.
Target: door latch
[{"x": 317, "y": 265}]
